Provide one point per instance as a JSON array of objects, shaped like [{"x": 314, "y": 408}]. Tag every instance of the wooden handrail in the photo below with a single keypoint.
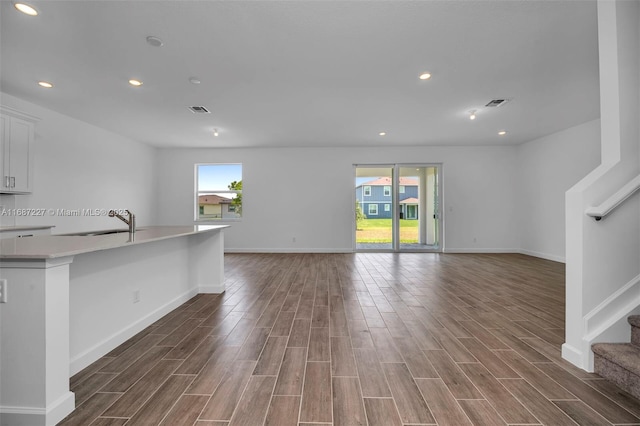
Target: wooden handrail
[{"x": 598, "y": 212}]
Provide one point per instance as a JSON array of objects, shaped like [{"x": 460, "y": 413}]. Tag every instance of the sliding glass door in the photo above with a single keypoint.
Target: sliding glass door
[{"x": 397, "y": 207}]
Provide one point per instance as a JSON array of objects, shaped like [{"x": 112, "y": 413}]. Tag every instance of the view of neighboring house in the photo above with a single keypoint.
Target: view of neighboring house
[
  {"x": 375, "y": 198},
  {"x": 215, "y": 206}
]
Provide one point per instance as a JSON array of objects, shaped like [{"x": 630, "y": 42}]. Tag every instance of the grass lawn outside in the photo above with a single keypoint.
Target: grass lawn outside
[{"x": 379, "y": 231}]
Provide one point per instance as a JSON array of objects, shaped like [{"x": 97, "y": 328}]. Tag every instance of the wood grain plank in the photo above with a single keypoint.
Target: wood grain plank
[
  {"x": 224, "y": 400},
  {"x": 342, "y": 361},
  {"x": 291, "y": 374},
  {"x": 283, "y": 411},
  {"x": 186, "y": 410},
  {"x": 156, "y": 407},
  {"x": 382, "y": 412},
  {"x": 594, "y": 399},
  {"x": 316, "y": 395},
  {"x": 319, "y": 345},
  {"x": 536, "y": 403},
  {"x": 481, "y": 413},
  {"x": 385, "y": 346},
  {"x": 504, "y": 403},
  {"x": 409, "y": 400},
  {"x": 372, "y": 378},
  {"x": 271, "y": 357},
  {"x": 348, "y": 408},
  {"x": 254, "y": 344},
  {"x": 213, "y": 372},
  {"x": 543, "y": 383},
  {"x": 491, "y": 362},
  {"x": 132, "y": 399},
  {"x": 457, "y": 382},
  {"x": 299, "y": 337},
  {"x": 581, "y": 413},
  {"x": 443, "y": 405},
  {"x": 252, "y": 407}
]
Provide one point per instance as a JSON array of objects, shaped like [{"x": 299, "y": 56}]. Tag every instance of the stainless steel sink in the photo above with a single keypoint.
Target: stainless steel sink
[{"x": 96, "y": 233}]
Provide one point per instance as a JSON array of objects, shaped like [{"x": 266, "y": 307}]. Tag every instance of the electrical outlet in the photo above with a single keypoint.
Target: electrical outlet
[
  {"x": 136, "y": 296},
  {"x": 3, "y": 291}
]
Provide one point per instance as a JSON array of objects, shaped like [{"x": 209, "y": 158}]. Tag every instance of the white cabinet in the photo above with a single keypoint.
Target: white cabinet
[{"x": 17, "y": 131}]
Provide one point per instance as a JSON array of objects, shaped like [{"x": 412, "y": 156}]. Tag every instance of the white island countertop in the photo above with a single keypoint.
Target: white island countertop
[
  {"x": 24, "y": 228},
  {"x": 56, "y": 246}
]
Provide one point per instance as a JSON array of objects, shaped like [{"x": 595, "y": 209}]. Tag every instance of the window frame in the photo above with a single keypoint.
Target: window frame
[
  {"x": 366, "y": 190},
  {"x": 198, "y": 193},
  {"x": 369, "y": 209}
]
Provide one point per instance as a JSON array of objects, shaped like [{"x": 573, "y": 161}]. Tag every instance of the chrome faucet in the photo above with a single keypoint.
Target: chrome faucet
[{"x": 131, "y": 221}]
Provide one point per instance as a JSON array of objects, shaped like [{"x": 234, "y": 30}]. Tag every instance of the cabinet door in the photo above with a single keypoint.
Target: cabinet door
[{"x": 21, "y": 133}]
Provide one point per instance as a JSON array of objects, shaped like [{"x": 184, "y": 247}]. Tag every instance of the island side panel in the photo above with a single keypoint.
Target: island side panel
[
  {"x": 206, "y": 260},
  {"x": 34, "y": 352}
]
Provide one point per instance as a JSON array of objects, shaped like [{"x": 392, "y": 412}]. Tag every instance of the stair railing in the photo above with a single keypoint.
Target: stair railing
[{"x": 598, "y": 212}]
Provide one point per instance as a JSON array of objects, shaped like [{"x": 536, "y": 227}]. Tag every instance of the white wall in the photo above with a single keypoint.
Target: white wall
[
  {"x": 547, "y": 168},
  {"x": 307, "y": 193},
  {"x": 78, "y": 166}
]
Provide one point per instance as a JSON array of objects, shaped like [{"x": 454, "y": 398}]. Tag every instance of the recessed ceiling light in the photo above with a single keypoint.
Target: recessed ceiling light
[
  {"x": 155, "y": 41},
  {"x": 45, "y": 84},
  {"x": 135, "y": 82},
  {"x": 425, "y": 76},
  {"x": 26, "y": 9},
  {"x": 194, "y": 80},
  {"x": 382, "y": 133},
  {"x": 502, "y": 132},
  {"x": 215, "y": 132},
  {"x": 472, "y": 115}
]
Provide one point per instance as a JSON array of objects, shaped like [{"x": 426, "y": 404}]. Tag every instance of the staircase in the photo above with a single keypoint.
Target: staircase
[{"x": 620, "y": 362}]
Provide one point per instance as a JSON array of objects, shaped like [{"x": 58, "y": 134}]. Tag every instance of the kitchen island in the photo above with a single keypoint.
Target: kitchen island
[{"x": 71, "y": 299}]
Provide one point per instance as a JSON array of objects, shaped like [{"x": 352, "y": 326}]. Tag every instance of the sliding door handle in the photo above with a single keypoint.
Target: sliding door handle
[
  {"x": 6, "y": 181},
  {"x": 13, "y": 181}
]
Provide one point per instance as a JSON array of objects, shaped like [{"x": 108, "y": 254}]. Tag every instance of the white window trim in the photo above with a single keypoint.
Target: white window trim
[
  {"x": 364, "y": 191},
  {"x": 386, "y": 191},
  {"x": 198, "y": 193},
  {"x": 387, "y": 207},
  {"x": 374, "y": 205}
]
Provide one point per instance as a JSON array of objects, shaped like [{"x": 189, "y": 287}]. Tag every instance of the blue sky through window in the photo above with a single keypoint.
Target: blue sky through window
[{"x": 217, "y": 177}]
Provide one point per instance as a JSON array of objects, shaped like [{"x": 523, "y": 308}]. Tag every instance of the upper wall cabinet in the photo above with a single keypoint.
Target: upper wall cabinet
[{"x": 17, "y": 131}]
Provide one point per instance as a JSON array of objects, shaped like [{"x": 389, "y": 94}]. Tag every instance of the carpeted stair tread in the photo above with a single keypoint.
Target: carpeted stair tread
[
  {"x": 625, "y": 355},
  {"x": 634, "y": 320}
]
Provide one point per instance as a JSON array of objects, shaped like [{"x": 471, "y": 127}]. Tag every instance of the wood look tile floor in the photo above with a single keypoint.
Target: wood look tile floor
[{"x": 374, "y": 339}]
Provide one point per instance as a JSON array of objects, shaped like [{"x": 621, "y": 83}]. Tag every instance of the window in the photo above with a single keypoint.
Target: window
[
  {"x": 387, "y": 191},
  {"x": 387, "y": 207},
  {"x": 218, "y": 191},
  {"x": 402, "y": 189},
  {"x": 367, "y": 191},
  {"x": 373, "y": 209}
]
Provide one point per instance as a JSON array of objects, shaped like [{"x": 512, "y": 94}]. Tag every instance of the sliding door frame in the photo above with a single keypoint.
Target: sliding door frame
[{"x": 395, "y": 206}]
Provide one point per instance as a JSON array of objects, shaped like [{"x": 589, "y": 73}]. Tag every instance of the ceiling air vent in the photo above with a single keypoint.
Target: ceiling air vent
[
  {"x": 198, "y": 110},
  {"x": 497, "y": 102}
]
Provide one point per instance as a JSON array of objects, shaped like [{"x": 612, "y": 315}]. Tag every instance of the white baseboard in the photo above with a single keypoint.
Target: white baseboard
[
  {"x": 288, "y": 250},
  {"x": 29, "y": 416},
  {"x": 560, "y": 259},
  {"x": 480, "y": 250},
  {"x": 211, "y": 289},
  {"x": 92, "y": 354},
  {"x": 573, "y": 355}
]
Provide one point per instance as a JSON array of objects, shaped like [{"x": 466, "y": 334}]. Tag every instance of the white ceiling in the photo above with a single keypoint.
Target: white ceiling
[{"x": 308, "y": 73}]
